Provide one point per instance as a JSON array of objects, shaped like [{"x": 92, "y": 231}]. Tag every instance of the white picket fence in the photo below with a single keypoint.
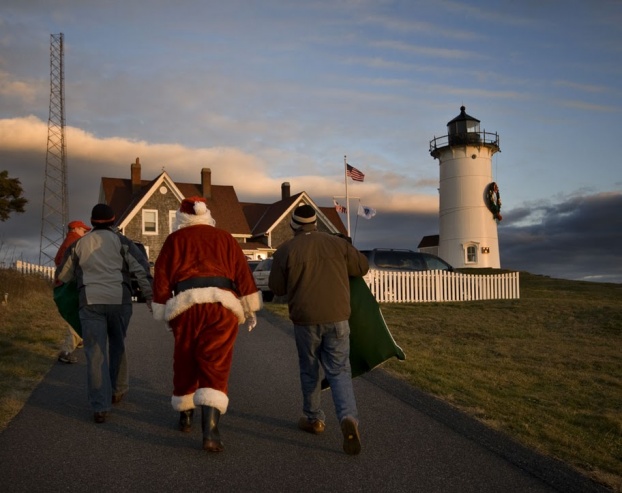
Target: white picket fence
[
  {"x": 45, "y": 271},
  {"x": 404, "y": 287},
  {"x": 440, "y": 286}
]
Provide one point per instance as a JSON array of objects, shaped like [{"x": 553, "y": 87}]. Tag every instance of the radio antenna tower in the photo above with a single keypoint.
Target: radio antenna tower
[{"x": 54, "y": 216}]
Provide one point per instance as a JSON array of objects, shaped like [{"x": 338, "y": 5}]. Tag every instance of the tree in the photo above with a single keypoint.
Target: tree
[{"x": 11, "y": 199}]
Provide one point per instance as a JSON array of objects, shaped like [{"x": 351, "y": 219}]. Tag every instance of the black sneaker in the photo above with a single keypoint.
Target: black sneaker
[{"x": 65, "y": 357}]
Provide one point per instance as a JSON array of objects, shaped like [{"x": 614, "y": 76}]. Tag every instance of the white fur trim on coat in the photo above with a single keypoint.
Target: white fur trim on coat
[
  {"x": 183, "y": 402},
  {"x": 158, "y": 310},
  {"x": 184, "y": 300},
  {"x": 252, "y": 302},
  {"x": 182, "y": 219},
  {"x": 213, "y": 398}
]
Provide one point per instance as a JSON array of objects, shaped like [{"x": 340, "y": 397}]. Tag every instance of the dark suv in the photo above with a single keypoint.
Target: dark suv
[{"x": 389, "y": 259}]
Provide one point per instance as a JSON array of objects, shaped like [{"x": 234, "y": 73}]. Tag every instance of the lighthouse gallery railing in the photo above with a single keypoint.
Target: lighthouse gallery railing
[
  {"x": 465, "y": 138},
  {"x": 441, "y": 286}
]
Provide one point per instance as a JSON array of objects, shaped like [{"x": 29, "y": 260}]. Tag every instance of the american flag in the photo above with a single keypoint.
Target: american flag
[
  {"x": 339, "y": 207},
  {"x": 354, "y": 173}
]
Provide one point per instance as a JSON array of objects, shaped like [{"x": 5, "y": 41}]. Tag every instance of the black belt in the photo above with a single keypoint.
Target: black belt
[{"x": 204, "y": 282}]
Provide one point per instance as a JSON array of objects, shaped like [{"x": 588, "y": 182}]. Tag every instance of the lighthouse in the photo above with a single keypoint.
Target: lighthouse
[{"x": 469, "y": 199}]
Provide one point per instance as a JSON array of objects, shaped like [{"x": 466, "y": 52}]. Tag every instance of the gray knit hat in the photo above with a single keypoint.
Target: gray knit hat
[{"x": 304, "y": 214}]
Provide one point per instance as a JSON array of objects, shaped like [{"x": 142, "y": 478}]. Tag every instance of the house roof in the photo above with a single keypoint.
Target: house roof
[
  {"x": 264, "y": 217},
  {"x": 242, "y": 219},
  {"x": 462, "y": 117},
  {"x": 224, "y": 206},
  {"x": 223, "y": 203},
  {"x": 333, "y": 216},
  {"x": 428, "y": 241}
]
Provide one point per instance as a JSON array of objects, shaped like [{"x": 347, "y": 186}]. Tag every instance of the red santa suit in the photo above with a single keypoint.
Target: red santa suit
[{"x": 203, "y": 288}]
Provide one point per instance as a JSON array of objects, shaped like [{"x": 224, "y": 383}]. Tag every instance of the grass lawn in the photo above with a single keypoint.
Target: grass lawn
[{"x": 31, "y": 331}]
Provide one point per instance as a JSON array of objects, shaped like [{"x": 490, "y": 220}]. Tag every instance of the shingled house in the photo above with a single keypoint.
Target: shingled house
[{"x": 145, "y": 210}]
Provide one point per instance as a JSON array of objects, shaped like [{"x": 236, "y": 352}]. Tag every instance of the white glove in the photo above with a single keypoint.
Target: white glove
[{"x": 251, "y": 320}]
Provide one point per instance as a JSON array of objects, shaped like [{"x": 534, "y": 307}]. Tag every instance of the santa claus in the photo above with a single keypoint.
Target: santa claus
[{"x": 203, "y": 288}]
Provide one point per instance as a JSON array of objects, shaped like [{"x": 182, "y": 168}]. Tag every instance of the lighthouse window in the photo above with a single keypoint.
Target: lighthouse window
[
  {"x": 471, "y": 253},
  {"x": 472, "y": 126}
]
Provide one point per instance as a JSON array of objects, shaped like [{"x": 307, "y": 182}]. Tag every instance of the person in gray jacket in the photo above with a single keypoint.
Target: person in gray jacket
[
  {"x": 313, "y": 270},
  {"x": 102, "y": 263}
]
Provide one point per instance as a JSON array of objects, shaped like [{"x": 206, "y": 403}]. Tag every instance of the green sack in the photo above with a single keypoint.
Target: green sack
[
  {"x": 371, "y": 343},
  {"x": 68, "y": 304}
]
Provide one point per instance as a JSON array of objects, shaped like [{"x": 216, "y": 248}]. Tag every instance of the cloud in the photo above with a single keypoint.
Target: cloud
[
  {"x": 24, "y": 91},
  {"x": 255, "y": 179},
  {"x": 442, "y": 53},
  {"x": 578, "y": 238}
]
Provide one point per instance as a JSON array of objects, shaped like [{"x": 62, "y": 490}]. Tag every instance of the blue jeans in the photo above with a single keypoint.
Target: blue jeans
[
  {"x": 103, "y": 331},
  {"x": 327, "y": 345}
]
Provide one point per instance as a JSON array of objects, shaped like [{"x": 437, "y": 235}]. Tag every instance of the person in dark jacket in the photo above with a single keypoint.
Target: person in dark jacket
[
  {"x": 102, "y": 263},
  {"x": 313, "y": 270}
]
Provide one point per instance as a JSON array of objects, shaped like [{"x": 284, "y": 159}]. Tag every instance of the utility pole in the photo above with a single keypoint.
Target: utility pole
[{"x": 54, "y": 215}]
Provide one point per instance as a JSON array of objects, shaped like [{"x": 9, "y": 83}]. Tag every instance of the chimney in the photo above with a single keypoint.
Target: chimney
[
  {"x": 206, "y": 183},
  {"x": 135, "y": 174},
  {"x": 285, "y": 193}
]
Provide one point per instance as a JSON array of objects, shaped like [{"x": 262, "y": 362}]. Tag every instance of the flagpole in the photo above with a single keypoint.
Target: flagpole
[
  {"x": 345, "y": 176},
  {"x": 356, "y": 222}
]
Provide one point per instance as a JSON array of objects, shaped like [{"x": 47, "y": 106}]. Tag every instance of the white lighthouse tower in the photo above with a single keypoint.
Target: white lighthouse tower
[{"x": 469, "y": 199}]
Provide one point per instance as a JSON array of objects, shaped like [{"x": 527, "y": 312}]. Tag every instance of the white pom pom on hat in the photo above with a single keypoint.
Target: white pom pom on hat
[
  {"x": 193, "y": 205},
  {"x": 193, "y": 211},
  {"x": 200, "y": 208}
]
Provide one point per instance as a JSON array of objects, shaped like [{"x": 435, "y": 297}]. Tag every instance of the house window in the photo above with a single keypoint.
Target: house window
[
  {"x": 150, "y": 222},
  {"x": 471, "y": 254},
  {"x": 171, "y": 220}
]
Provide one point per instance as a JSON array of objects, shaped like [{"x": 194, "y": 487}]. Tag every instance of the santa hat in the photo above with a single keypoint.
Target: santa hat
[
  {"x": 303, "y": 215},
  {"x": 193, "y": 210}
]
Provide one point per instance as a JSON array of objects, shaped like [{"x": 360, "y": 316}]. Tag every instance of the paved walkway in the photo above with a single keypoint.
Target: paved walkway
[{"x": 411, "y": 442}]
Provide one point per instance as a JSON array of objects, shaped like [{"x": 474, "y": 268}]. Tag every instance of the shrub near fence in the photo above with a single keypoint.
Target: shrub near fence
[
  {"x": 439, "y": 286},
  {"x": 45, "y": 271}
]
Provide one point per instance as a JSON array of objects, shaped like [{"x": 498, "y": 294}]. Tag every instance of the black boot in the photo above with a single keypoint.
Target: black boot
[
  {"x": 185, "y": 420},
  {"x": 209, "y": 423}
]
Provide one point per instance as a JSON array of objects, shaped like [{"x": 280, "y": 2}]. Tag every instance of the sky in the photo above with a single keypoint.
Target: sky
[{"x": 273, "y": 91}]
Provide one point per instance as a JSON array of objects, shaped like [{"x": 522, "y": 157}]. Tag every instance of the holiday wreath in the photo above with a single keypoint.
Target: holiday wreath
[{"x": 493, "y": 200}]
